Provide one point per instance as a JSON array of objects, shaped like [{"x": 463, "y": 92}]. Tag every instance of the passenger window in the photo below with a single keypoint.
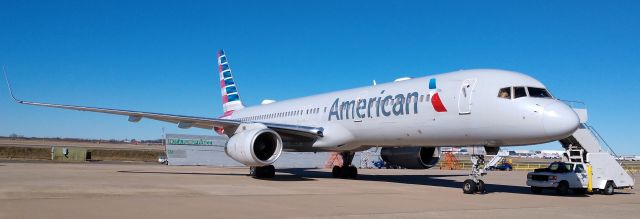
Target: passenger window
[
  {"x": 538, "y": 92},
  {"x": 519, "y": 92},
  {"x": 505, "y": 93}
]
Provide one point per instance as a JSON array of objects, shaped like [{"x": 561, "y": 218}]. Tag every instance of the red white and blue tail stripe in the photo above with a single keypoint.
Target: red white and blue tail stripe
[{"x": 230, "y": 98}]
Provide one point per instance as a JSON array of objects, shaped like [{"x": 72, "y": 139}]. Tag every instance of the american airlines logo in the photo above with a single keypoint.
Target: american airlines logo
[
  {"x": 435, "y": 98},
  {"x": 397, "y": 105}
]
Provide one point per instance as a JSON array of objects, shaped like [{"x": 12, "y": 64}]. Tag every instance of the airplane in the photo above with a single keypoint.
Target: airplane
[{"x": 409, "y": 119}]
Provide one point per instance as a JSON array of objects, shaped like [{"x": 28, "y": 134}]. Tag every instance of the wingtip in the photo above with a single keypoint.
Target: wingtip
[{"x": 6, "y": 78}]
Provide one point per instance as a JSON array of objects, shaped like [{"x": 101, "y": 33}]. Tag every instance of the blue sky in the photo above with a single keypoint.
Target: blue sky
[{"x": 159, "y": 56}]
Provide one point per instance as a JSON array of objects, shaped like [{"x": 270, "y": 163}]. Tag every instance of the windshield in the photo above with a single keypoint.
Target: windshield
[
  {"x": 538, "y": 92},
  {"x": 519, "y": 92},
  {"x": 561, "y": 167}
]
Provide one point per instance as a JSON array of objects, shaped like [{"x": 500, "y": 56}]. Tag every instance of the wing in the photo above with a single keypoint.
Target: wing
[
  {"x": 229, "y": 125},
  {"x": 187, "y": 121}
]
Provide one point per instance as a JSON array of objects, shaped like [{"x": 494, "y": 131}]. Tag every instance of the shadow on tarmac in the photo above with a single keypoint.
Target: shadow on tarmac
[
  {"x": 181, "y": 173},
  {"x": 425, "y": 180},
  {"x": 310, "y": 174},
  {"x": 290, "y": 177}
]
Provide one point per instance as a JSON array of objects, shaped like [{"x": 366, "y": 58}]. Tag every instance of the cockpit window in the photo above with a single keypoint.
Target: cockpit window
[
  {"x": 539, "y": 92},
  {"x": 519, "y": 92},
  {"x": 505, "y": 93}
]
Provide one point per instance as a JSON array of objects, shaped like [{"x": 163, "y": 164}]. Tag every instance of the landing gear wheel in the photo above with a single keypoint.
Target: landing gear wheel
[
  {"x": 481, "y": 187},
  {"x": 335, "y": 172},
  {"x": 349, "y": 172},
  {"x": 352, "y": 172},
  {"x": 475, "y": 184},
  {"x": 609, "y": 189},
  {"x": 469, "y": 187},
  {"x": 262, "y": 172},
  {"x": 563, "y": 188},
  {"x": 536, "y": 190}
]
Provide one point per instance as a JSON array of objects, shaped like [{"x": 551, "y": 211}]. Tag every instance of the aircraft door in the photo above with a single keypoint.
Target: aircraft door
[{"x": 464, "y": 98}]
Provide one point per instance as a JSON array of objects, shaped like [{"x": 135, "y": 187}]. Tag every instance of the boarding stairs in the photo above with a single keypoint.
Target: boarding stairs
[
  {"x": 585, "y": 145},
  {"x": 494, "y": 161}
]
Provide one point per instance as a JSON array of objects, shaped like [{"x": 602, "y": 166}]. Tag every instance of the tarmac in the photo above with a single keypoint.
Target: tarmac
[{"x": 122, "y": 190}]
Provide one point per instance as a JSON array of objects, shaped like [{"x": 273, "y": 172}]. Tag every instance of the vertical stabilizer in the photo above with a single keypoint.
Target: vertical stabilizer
[{"x": 230, "y": 98}]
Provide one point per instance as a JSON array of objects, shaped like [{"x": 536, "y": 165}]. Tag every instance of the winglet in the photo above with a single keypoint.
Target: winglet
[{"x": 9, "y": 85}]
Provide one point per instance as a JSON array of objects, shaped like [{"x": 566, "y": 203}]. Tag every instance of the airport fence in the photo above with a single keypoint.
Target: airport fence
[{"x": 631, "y": 169}]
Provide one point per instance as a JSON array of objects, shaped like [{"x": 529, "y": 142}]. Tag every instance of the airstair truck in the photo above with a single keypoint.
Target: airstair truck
[
  {"x": 584, "y": 148},
  {"x": 607, "y": 173}
]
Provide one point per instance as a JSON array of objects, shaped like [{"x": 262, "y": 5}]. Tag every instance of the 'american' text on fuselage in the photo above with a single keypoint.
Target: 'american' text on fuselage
[{"x": 374, "y": 107}]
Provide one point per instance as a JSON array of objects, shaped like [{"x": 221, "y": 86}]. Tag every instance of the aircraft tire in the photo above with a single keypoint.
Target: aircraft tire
[
  {"x": 353, "y": 172},
  {"x": 481, "y": 187},
  {"x": 348, "y": 172},
  {"x": 263, "y": 172},
  {"x": 336, "y": 171},
  {"x": 469, "y": 186}
]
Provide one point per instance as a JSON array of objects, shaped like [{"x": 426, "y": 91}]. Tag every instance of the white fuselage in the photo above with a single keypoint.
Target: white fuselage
[{"x": 380, "y": 115}]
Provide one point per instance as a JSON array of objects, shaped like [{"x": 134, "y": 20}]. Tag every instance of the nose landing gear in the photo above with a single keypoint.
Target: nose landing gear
[{"x": 475, "y": 183}]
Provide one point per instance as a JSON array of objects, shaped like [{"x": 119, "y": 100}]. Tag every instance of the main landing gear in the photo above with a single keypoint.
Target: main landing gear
[
  {"x": 262, "y": 172},
  {"x": 346, "y": 171},
  {"x": 475, "y": 184}
]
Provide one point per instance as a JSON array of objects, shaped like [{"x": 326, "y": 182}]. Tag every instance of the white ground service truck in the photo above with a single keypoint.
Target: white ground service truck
[
  {"x": 559, "y": 176},
  {"x": 605, "y": 176}
]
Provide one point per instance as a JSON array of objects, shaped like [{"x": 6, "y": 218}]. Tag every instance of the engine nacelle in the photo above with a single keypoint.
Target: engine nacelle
[
  {"x": 411, "y": 157},
  {"x": 255, "y": 147}
]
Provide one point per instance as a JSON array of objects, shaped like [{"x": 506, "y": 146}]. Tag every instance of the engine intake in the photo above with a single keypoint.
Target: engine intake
[
  {"x": 411, "y": 157},
  {"x": 255, "y": 147}
]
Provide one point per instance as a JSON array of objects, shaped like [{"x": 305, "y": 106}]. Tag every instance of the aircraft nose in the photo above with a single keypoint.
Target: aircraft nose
[{"x": 560, "y": 120}]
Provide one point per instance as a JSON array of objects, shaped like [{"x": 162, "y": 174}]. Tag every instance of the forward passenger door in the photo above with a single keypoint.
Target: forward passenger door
[{"x": 464, "y": 97}]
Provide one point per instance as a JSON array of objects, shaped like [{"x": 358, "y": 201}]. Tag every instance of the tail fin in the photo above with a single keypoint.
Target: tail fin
[{"x": 230, "y": 98}]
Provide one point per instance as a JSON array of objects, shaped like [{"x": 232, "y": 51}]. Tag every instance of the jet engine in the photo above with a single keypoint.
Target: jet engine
[
  {"x": 411, "y": 157},
  {"x": 255, "y": 147}
]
